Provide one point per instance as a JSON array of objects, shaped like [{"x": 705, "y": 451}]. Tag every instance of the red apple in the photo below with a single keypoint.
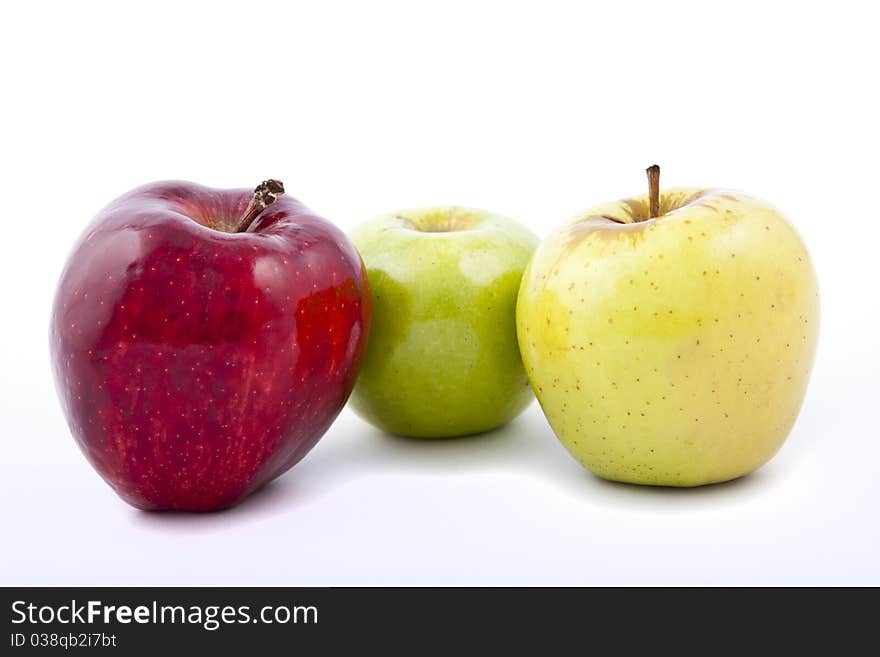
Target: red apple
[{"x": 203, "y": 340}]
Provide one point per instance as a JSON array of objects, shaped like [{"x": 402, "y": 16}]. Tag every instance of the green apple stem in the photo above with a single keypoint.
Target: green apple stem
[
  {"x": 266, "y": 193},
  {"x": 653, "y": 172}
]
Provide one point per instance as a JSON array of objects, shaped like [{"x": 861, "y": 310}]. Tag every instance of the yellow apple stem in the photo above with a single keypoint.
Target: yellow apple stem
[
  {"x": 266, "y": 193},
  {"x": 653, "y": 172}
]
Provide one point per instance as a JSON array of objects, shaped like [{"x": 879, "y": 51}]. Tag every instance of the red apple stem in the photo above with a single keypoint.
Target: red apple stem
[
  {"x": 653, "y": 172},
  {"x": 266, "y": 193}
]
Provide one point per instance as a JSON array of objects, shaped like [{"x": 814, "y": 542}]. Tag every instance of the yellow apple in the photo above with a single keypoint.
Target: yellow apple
[{"x": 671, "y": 347}]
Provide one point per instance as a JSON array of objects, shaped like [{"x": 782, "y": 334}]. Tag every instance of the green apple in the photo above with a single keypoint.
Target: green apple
[
  {"x": 442, "y": 358},
  {"x": 671, "y": 347}
]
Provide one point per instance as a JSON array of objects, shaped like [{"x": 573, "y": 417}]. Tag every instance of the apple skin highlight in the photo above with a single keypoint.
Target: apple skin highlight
[
  {"x": 195, "y": 364},
  {"x": 674, "y": 350}
]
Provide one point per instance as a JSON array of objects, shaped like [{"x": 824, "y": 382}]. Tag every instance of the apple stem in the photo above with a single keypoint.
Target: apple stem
[
  {"x": 266, "y": 193},
  {"x": 653, "y": 172}
]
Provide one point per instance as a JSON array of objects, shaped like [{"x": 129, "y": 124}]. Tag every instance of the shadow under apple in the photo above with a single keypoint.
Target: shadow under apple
[{"x": 524, "y": 447}]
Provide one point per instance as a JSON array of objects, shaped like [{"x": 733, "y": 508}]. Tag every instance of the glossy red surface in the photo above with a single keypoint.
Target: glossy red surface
[{"x": 195, "y": 365}]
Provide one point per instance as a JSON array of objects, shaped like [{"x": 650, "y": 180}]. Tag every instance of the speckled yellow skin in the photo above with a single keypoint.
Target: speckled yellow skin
[
  {"x": 443, "y": 358},
  {"x": 672, "y": 351}
]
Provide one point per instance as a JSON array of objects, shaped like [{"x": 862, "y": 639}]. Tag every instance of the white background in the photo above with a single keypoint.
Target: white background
[{"x": 535, "y": 110}]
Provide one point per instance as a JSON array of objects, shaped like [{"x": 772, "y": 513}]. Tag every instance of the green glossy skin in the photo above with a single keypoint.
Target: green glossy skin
[{"x": 443, "y": 359}]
